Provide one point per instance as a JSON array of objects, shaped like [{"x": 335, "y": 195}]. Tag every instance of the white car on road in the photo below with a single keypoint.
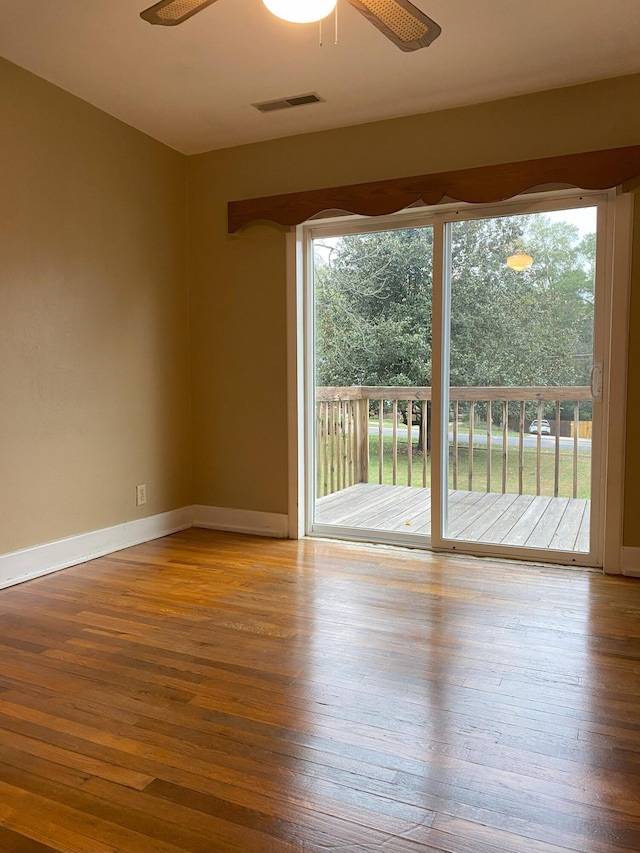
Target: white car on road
[{"x": 545, "y": 429}]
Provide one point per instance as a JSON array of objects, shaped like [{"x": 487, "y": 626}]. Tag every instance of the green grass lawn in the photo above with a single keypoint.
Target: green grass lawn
[
  {"x": 479, "y": 427},
  {"x": 480, "y": 468}
]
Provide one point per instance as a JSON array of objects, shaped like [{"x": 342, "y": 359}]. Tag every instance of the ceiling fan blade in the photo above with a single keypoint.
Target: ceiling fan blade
[
  {"x": 168, "y": 13},
  {"x": 400, "y": 21}
]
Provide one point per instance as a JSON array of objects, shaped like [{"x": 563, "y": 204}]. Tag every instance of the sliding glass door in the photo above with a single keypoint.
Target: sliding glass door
[
  {"x": 454, "y": 377},
  {"x": 523, "y": 371},
  {"x": 372, "y": 300}
]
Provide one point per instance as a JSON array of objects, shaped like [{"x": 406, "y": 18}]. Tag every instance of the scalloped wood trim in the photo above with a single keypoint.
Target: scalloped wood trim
[{"x": 592, "y": 170}]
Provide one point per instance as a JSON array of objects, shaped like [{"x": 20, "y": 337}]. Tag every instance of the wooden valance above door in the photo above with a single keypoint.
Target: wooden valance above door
[{"x": 592, "y": 170}]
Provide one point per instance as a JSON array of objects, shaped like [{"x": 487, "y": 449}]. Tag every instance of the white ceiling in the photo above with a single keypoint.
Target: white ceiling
[{"x": 192, "y": 86}]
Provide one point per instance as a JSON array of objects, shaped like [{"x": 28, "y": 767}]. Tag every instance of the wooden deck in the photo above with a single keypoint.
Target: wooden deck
[{"x": 520, "y": 520}]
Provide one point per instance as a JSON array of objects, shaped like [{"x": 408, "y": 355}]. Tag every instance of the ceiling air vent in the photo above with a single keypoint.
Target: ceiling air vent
[{"x": 286, "y": 103}]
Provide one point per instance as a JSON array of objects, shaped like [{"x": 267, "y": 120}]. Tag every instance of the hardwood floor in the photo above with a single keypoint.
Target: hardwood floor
[
  {"x": 521, "y": 520},
  {"x": 214, "y": 692}
]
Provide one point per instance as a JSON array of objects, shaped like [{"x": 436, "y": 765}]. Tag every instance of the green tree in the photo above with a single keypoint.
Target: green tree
[
  {"x": 520, "y": 328},
  {"x": 374, "y": 305},
  {"x": 373, "y": 309}
]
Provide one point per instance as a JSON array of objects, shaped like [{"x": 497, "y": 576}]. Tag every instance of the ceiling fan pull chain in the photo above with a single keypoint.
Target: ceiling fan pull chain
[
  {"x": 335, "y": 24},
  {"x": 320, "y": 29}
]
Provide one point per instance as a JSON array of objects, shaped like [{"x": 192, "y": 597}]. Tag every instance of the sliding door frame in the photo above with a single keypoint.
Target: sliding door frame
[
  {"x": 341, "y": 226},
  {"x": 609, "y": 501},
  {"x": 604, "y": 202}
]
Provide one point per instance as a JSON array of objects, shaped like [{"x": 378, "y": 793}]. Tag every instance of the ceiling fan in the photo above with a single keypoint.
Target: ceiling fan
[{"x": 399, "y": 20}]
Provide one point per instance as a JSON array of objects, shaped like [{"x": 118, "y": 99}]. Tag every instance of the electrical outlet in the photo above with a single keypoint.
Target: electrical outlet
[{"x": 141, "y": 494}]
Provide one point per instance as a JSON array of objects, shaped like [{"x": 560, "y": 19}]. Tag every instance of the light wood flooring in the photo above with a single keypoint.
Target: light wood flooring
[
  {"x": 523, "y": 520},
  {"x": 219, "y": 693}
]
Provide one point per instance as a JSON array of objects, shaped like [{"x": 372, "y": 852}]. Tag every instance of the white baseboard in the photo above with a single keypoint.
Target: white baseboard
[
  {"x": 272, "y": 524},
  {"x": 631, "y": 562},
  {"x": 41, "y": 560}
]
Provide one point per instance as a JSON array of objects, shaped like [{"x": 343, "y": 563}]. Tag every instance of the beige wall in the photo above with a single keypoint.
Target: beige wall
[
  {"x": 93, "y": 317},
  {"x": 238, "y": 283}
]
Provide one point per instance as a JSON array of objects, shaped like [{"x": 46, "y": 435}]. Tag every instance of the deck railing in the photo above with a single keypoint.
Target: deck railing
[{"x": 489, "y": 441}]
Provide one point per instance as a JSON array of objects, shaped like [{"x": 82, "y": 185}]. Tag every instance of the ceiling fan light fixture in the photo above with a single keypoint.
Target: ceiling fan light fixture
[
  {"x": 399, "y": 20},
  {"x": 300, "y": 11},
  {"x": 169, "y": 13},
  {"x": 519, "y": 262}
]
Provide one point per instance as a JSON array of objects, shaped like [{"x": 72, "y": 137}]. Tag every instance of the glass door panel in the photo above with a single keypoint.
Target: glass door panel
[
  {"x": 372, "y": 374},
  {"x": 521, "y": 309}
]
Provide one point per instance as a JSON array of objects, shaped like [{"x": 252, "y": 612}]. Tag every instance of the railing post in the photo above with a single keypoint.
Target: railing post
[
  {"x": 539, "y": 448},
  {"x": 556, "y": 461},
  {"x": 350, "y": 442},
  {"x": 332, "y": 447},
  {"x": 505, "y": 443},
  {"x": 325, "y": 457},
  {"x": 319, "y": 449},
  {"x": 472, "y": 409},
  {"x": 521, "y": 450},
  {"x": 425, "y": 433},
  {"x": 394, "y": 444},
  {"x": 409, "y": 440},
  {"x": 576, "y": 435},
  {"x": 361, "y": 410},
  {"x": 489, "y": 426},
  {"x": 337, "y": 437},
  {"x": 456, "y": 412},
  {"x": 381, "y": 441},
  {"x": 355, "y": 440}
]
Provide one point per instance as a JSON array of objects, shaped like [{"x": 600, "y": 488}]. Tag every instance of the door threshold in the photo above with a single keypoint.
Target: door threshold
[{"x": 349, "y": 541}]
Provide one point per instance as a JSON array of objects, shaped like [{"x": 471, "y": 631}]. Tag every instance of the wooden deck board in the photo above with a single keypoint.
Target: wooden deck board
[
  {"x": 582, "y": 539},
  {"x": 466, "y": 511},
  {"x": 548, "y": 524},
  {"x": 478, "y": 528},
  {"x": 566, "y": 536},
  {"x": 520, "y": 520},
  {"x": 505, "y": 522}
]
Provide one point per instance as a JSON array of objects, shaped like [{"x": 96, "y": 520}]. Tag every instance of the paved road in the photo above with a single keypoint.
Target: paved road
[{"x": 480, "y": 439}]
